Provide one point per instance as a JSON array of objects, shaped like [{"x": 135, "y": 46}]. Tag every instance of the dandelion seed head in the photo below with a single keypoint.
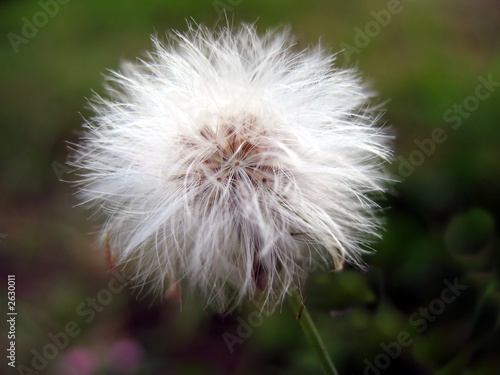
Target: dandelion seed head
[{"x": 230, "y": 163}]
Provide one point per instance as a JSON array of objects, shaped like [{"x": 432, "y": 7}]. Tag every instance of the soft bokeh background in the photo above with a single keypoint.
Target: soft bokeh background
[{"x": 442, "y": 219}]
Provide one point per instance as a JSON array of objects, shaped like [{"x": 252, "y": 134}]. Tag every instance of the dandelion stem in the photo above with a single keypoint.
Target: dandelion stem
[{"x": 311, "y": 332}]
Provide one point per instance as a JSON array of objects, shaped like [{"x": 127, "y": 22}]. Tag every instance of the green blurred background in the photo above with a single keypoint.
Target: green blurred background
[{"x": 442, "y": 218}]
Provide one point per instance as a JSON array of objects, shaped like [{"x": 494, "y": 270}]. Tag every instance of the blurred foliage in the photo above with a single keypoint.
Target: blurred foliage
[{"x": 442, "y": 219}]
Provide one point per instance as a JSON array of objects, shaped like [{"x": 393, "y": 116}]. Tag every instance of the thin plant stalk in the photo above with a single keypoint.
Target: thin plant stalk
[{"x": 311, "y": 332}]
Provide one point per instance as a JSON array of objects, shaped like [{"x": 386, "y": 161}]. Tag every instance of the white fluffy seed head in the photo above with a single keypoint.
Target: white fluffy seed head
[{"x": 228, "y": 162}]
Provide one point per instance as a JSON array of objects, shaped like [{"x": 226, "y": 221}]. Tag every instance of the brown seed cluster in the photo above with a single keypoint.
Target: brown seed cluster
[{"x": 238, "y": 156}]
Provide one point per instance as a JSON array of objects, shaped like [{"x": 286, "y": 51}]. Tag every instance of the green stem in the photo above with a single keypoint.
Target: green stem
[{"x": 311, "y": 332}]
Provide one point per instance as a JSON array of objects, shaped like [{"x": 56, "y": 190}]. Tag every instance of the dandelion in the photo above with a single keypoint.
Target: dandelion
[{"x": 231, "y": 163}]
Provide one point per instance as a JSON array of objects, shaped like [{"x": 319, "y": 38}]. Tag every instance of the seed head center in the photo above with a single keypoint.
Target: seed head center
[{"x": 237, "y": 155}]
